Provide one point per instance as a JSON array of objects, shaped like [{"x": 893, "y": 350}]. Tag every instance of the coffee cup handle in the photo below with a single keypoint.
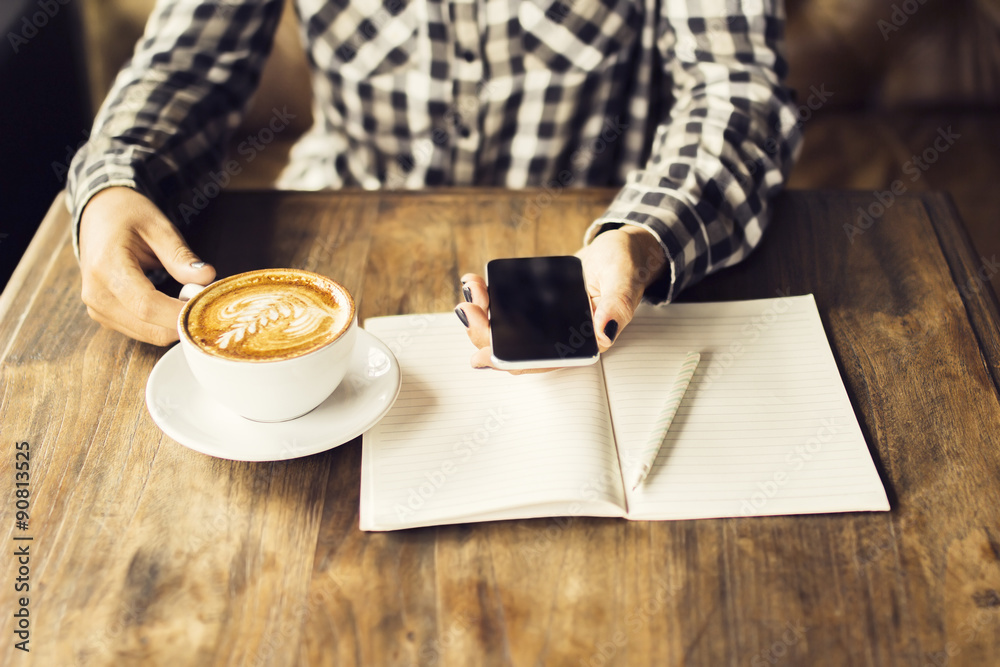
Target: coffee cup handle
[{"x": 189, "y": 290}]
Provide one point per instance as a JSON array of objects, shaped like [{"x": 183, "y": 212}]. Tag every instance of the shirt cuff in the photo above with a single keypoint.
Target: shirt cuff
[
  {"x": 109, "y": 177},
  {"x": 670, "y": 220}
]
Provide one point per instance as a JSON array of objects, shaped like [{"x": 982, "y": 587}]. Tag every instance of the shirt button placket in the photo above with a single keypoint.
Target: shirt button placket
[{"x": 467, "y": 68}]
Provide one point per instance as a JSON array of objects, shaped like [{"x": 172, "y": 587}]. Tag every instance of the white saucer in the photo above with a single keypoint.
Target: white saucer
[{"x": 186, "y": 413}]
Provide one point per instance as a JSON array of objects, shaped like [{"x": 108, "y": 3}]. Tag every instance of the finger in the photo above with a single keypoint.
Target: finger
[
  {"x": 173, "y": 252},
  {"x": 145, "y": 333},
  {"x": 111, "y": 325},
  {"x": 476, "y": 285},
  {"x": 477, "y": 325},
  {"x": 474, "y": 290},
  {"x": 483, "y": 358},
  {"x": 105, "y": 307},
  {"x": 140, "y": 302},
  {"x": 619, "y": 297}
]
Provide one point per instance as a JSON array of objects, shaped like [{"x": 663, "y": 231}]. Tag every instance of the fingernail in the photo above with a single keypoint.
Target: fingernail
[
  {"x": 480, "y": 368},
  {"x": 611, "y": 330},
  {"x": 462, "y": 317},
  {"x": 467, "y": 293},
  {"x": 197, "y": 265}
]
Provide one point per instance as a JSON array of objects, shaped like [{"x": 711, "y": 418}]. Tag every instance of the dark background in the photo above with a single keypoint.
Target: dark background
[{"x": 45, "y": 113}]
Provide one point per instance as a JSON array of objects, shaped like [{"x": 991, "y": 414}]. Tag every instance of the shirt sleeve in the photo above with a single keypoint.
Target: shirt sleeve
[
  {"x": 173, "y": 107},
  {"x": 727, "y": 147}
]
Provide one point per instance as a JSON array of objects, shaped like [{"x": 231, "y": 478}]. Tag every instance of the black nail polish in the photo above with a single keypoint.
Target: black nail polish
[
  {"x": 462, "y": 317},
  {"x": 467, "y": 293},
  {"x": 611, "y": 330}
]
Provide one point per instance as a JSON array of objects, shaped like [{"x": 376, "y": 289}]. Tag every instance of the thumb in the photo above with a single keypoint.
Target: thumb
[
  {"x": 177, "y": 258},
  {"x": 619, "y": 297}
]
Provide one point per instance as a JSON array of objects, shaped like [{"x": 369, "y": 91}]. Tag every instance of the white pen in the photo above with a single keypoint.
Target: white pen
[{"x": 662, "y": 425}]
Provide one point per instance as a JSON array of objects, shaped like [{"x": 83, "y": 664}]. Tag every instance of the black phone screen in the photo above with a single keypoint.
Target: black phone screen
[{"x": 539, "y": 309}]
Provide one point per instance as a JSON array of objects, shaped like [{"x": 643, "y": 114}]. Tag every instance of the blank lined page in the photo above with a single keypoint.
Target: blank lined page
[
  {"x": 462, "y": 444},
  {"x": 765, "y": 427}
]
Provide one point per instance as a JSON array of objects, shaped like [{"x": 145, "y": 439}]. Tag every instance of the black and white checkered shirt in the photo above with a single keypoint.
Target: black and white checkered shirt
[{"x": 679, "y": 102}]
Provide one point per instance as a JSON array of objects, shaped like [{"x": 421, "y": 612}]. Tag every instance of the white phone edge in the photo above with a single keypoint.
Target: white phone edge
[{"x": 541, "y": 363}]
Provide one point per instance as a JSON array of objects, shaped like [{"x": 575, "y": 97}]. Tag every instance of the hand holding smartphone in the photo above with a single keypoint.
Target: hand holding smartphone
[{"x": 540, "y": 313}]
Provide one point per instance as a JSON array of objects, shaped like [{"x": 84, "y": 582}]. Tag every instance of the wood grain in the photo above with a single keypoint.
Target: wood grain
[{"x": 146, "y": 553}]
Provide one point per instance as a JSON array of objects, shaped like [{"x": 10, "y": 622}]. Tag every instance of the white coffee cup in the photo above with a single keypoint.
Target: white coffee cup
[{"x": 269, "y": 390}]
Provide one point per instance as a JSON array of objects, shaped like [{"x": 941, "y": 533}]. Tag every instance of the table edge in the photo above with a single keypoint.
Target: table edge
[
  {"x": 31, "y": 269},
  {"x": 963, "y": 260}
]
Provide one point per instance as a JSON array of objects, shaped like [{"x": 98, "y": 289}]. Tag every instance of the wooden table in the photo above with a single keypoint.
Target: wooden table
[{"x": 143, "y": 552}]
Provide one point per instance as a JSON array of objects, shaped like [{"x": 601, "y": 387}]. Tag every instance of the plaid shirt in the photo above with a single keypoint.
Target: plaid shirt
[{"x": 678, "y": 102}]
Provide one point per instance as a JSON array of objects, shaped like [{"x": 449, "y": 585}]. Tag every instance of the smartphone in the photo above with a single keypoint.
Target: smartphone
[{"x": 540, "y": 314}]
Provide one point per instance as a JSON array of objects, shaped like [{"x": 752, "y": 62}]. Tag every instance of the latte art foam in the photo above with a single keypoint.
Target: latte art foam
[{"x": 268, "y": 315}]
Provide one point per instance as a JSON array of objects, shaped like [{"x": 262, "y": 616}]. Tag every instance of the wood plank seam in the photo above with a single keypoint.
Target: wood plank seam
[{"x": 981, "y": 304}]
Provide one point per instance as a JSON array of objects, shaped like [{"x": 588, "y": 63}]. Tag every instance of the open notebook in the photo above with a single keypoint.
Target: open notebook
[{"x": 765, "y": 427}]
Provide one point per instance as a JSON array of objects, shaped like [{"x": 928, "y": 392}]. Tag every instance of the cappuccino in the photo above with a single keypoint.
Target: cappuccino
[{"x": 268, "y": 315}]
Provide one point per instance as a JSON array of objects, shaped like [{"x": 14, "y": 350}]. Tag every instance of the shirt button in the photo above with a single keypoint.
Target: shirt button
[
  {"x": 469, "y": 56},
  {"x": 465, "y": 132}
]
